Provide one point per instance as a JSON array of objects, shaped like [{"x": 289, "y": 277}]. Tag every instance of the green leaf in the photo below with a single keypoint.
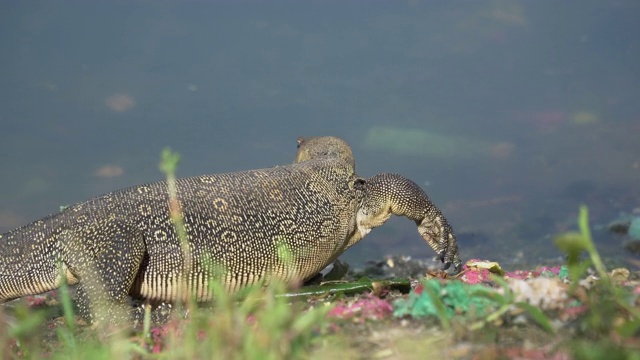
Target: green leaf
[
  {"x": 629, "y": 328},
  {"x": 583, "y": 225},
  {"x": 28, "y": 322},
  {"x": 498, "y": 313},
  {"x": 309, "y": 319},
  {"x": 577, "y": 271},
  {"x": 169, "y": 161},
  {"x": 508, "y": 294},
  {"x": 572, "y": 243}
]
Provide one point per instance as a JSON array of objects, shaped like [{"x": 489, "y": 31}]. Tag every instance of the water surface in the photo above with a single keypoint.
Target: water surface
[{"x": 509, "y": 113}]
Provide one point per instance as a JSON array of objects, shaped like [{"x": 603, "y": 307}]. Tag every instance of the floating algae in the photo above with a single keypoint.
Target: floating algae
[
  {"x": 634, "y": 228},
  {"x": 423, "y": 143}
]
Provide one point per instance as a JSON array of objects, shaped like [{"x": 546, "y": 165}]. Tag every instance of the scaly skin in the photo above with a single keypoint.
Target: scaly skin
[
  {"x": 386, "y": 194},
  {"x": 124, "y": 243}
]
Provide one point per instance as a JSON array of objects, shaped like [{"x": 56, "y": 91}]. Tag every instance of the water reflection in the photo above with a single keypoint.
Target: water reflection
[{"x": 513, "y": 112}]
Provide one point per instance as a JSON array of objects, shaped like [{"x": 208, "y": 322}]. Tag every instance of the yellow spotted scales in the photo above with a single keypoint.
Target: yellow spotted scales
[{"x": 124, "y": 243}]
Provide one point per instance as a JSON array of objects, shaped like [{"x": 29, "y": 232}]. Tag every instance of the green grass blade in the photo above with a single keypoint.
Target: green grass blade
[
  {"x": 440, "y": 307},
  {"x": 537, "y": 315}
]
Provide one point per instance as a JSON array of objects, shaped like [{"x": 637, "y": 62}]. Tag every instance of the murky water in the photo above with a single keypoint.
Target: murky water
[{"x": 509, "y": 113}]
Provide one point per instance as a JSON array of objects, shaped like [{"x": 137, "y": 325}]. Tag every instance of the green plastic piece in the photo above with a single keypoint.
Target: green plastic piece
[{"x": 457, "y": 297}]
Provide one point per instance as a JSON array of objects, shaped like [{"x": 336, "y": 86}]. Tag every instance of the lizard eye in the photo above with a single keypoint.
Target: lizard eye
[{"x": 358, "y": 183}]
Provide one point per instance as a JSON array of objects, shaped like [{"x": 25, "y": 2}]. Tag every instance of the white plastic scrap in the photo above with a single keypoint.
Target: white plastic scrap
[{"x": 545, "y": 293}]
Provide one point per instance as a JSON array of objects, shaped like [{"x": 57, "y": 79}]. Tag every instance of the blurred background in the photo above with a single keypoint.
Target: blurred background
[{"x": 510, "y": 114}]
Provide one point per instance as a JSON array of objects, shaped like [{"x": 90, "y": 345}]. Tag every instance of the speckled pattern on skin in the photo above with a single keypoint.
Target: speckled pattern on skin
[{"x": 124, "y": 243}]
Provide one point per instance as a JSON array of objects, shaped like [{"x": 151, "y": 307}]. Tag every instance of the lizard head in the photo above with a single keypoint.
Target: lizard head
[
  {"x": 386, "y": 194},
  {"x": 324, "y": 147}
]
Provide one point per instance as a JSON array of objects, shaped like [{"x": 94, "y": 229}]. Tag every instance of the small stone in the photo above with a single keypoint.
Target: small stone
[
  {"x": 633, "y": 246},
  {"x": 588, "y": 282},
  {"x": 619, "y": 227},
  {"x": 619, "y": 275}
]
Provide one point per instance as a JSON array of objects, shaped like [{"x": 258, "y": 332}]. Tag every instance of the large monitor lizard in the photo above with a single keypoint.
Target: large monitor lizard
[{"x": 125, "y": 243}]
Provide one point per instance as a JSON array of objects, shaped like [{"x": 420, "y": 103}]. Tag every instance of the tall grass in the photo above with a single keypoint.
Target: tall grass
[{"x": 611, "y": 325}]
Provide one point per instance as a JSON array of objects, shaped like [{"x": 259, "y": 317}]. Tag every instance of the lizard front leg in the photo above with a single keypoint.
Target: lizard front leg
[{"x": 386, "y": 194}]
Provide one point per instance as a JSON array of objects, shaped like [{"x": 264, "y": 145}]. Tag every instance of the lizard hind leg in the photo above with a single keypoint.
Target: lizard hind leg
[{"x": 105, "y": 262}]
